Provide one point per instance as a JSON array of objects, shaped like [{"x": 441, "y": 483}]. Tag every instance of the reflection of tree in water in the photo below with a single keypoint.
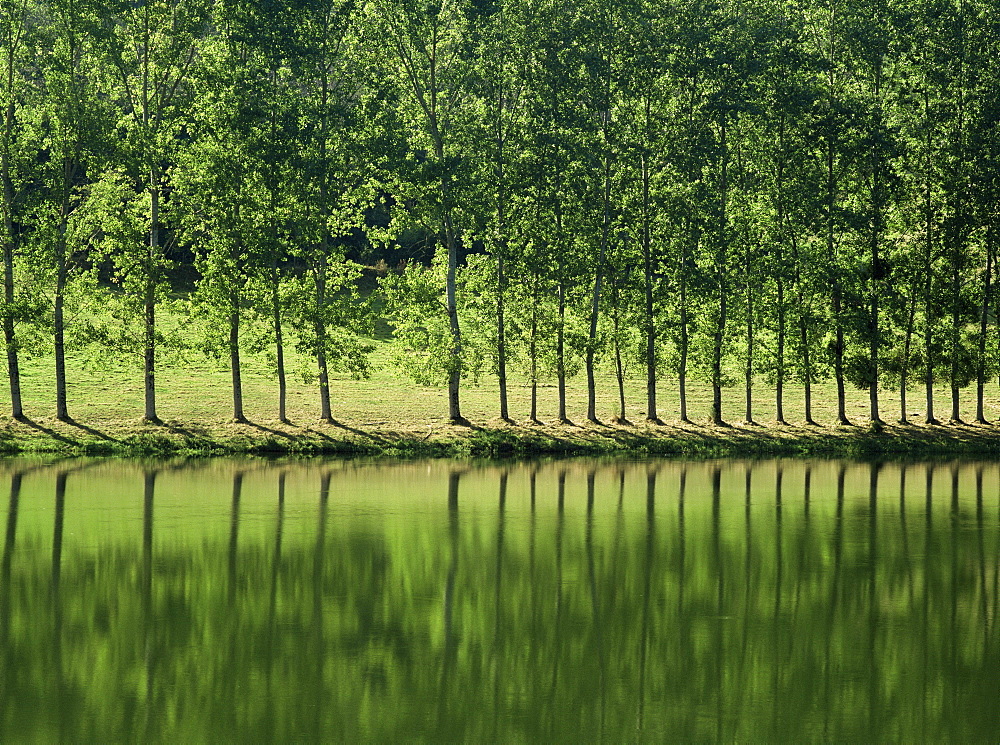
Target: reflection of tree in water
[{"x": 775, "y": 601}]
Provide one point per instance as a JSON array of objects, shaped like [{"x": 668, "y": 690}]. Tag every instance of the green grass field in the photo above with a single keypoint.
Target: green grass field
[{"x": 194, "y": 400}]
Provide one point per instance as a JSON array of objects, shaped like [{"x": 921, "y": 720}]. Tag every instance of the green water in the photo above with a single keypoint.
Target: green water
[{"x": 248, "y": 601}]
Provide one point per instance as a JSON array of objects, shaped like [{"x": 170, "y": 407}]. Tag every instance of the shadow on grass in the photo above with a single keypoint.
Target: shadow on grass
[
  {"x": 91, "y": 431},
  {"x": 50, "y": 432}
]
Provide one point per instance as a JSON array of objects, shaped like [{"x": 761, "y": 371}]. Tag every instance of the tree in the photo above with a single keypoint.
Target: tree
[
  {"x": 150, "y": 48},
  {"x": 429, "y": 43},
  {"x": 16, "y": 51}
]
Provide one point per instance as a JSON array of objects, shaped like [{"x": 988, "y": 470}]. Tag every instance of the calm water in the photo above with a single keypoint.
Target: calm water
[{"x": 246, "y": 601}]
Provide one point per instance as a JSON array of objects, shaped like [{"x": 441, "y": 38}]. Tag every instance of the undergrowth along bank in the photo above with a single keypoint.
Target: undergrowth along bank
[{"x": 520, "y": 442}]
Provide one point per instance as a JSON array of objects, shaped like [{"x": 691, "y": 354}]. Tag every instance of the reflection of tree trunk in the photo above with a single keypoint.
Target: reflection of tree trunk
[
  {"x": 720, "y": 652},
  {"x": 838, "y": 544},
  {"x": 319, "y": 562},
  {"x": 148, "y": 619},
  {"x": 647, "y": 581},
  {"x": 8, "y": 557},
  {"x": 450, "y": 637},
  {"x": 776, "y": 690},
  {"x": 57, "y": 616},
  {"x": 594, "y": 600},
  {"x": 953, "y": 616},
  {"x": 234, "y": 529},
  {"x": 272, "y": 604},
  {"x": 498, "y": 651},
  {"x": 925, "y": 614},
  {"x": 904, "y": 531},
  {"x": 557, "y": 646},
  {"x": 984, "y": 591},
  {"x": 747, "y": 583},
  {"x": 873, "y": 617}
]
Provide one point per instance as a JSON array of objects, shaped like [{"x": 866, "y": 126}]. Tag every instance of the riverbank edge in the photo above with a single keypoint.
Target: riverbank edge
[{"x": 501, "y": 441}]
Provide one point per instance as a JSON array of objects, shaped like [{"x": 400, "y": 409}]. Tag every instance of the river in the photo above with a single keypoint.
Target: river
[{"x": 248, "y": 600}]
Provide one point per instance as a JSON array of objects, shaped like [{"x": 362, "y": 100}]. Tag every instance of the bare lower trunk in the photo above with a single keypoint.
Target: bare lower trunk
[
  {"x": 807, "y": 371},
  {"x": 929, "y": 370},
  {"x": 10, "y": 339},
  {"x": 651, "y": 413},
  {"x": 619, "y": 372},
  {"x": 149, "y": 305},
  {"x": 682, "y": 367},
  {"x": 983, "y": 327},
  {"x": 279, "y": 344},
  {"x": 533, "y": 352},
  {"x": 956, "y": 415},
  {"x": 234, "y": 362},
  {"x": 904, "y": 369},
  {"x": 455, "y": 371},
  {"x": 748, "y": 371},
  {"x": 838, "y": 358},
  {"x": 779, "y": 381},
  {"x": 59, "y": 324},
  {"x": 319, "y": 328},
  {"x": 561, "y": 355},
  {"x": 502, "y": 340}
]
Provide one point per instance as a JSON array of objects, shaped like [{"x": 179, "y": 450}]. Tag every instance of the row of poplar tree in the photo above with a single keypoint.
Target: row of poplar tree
[{"x": 738, "y": 190}]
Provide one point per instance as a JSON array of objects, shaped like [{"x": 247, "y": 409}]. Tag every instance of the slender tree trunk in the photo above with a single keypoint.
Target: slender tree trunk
[
  {"x": 748, "y": 373},
  {"x": 806, "y": 368},
  {"x": 234, "y": 357},
  {"x": 876, "y": 238},
  {"x": 278, "y": 339},
  {"x": 651, "y": 414},
  {"x": 831, "y": 248},
  {"x": 779, "y": 277},
  {"x": 502, "y": 338},
  {"x": 561, "y": 353},
  {"x": 983, "y": 328},
  {"x": 720, "y": 268},
  {"x": 10, "y": 239},
  {"x": 956, "y": 327},
  {"x": 275, "y": 274},
  {"x": 904, "y": 368},
  {"x": 59, "y": 322},
  {"x": 533, "y": 351},
  {"x": 619, "y": 364},
  {"x": 149, "y": 300},
  {"x": 319, "y": 328},
  {"x": 595, "y": 303},
  {"x": 928, "y": 277},
  {"x": 682, "y": 367}
]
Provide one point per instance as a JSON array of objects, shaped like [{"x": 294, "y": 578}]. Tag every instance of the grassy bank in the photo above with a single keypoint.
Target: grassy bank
[{"x": 389, "y": 415}]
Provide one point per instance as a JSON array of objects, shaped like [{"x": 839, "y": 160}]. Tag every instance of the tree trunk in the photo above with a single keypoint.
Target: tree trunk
[
  {"x": 779, "y": 372},
  {"x": 502, "y": 339},
  {"x": 9, "y": 245},
  {"x": 279, "y": 341},
  {"x": 319, "y": 328},
  {"x": 598, "y": 278},
  {"x": 149, "y": 301},
  {"x": 533, "y": 352},
  {"x": 928, "y": 275},
  {"x": 234, "y": 359},
  {"x": 807, "y": 370},
  {"x": 983, "y": 327},
  {"x": 720, "y": 268},
  {"x": 904, "y": 368},
  {"x": 651, "y": 414},
  {"x": 682, "y": 367},
  {"x": 59, "y": 324},
  {"x": 561, "y": 353},
  {"x": 748, "y": 373}
]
